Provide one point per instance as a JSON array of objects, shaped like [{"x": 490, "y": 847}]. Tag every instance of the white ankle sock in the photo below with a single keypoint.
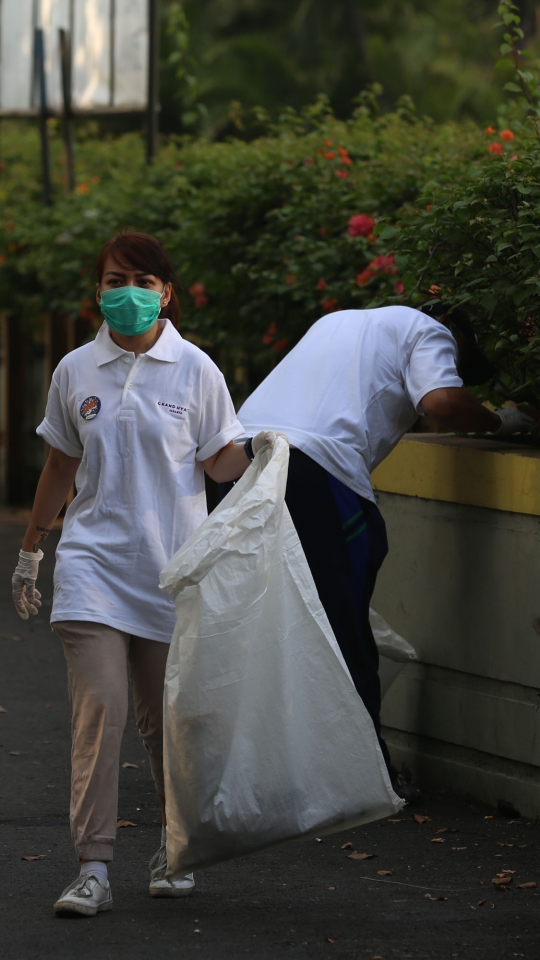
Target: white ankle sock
[
  {"x": 163, "y": 836},
  {"x": 97, "y": 868}
]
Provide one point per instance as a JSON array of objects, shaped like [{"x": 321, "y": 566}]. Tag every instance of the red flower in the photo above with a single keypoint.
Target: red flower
[
  {"x": 364, "y": 277},
  {"x": 2, "y": 259},
  {"x": 399, "y": 286},
  {"x": 495, "y": 147},
  {"x": 324, "y": 231},
  {"x": 178, "y": 165},
  {"x": 309, "y": 161},
  {"x": 342, "y": 173},
  {"x": 342, "y": 151},
  {"x": 10, "y": 226},
  {"x": 490, "y": 130},
  {"x": 290, "y": 279},
  {"x": 198, "y": 293},
  {"x": 434, "y": 288},
  {"x": 329, "y": 155},
  {"x": 381, "y": 264},
  {"x": 270, "y": 334},
  {"x": 429, "y": 206},
  {"x": 330, "y": 304},
  {"x": 346, "y": 160},
  {"x": 328, "y": 143},
  {"x": 506, "y": 135},
  {"x": 360, "y": 225},
  {"x": 321, "y": 285},
  {"x": 280, "y": 345}
]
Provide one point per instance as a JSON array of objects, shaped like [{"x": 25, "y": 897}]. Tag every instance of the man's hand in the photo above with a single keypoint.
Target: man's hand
[{"x": 513, "y": 421}]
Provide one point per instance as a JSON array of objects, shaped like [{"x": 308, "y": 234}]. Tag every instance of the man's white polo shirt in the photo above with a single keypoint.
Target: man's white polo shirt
[
  {"x": 142, "y": 427},
  {"x": 352, "y": 386}
]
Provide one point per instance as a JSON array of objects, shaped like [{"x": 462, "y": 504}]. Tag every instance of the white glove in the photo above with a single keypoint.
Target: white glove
[
  {"x": 513, "y": 421},
  {"x": 266, "y": 438},
  {"x": 26, "y": 598}
]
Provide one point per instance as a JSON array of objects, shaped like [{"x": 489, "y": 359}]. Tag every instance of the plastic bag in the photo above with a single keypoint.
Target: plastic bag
[
  {"x": 394, "y": 651},
  {"x": 266, "y": 739}
]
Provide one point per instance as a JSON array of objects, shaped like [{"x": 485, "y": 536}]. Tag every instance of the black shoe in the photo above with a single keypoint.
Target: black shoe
[{"x": 406, "y": 790}]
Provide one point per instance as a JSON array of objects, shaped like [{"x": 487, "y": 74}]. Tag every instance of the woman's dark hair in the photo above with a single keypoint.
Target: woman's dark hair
[{"x": 140, "y": 251}]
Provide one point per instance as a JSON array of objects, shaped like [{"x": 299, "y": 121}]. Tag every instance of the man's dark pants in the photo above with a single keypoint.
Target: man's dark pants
[{"x": 343, "y": 537}]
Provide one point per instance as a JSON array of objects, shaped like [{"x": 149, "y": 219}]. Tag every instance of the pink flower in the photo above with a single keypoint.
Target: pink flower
[
  {"x": 360, "y": 225},
  {"x": 399, "y": 286}
]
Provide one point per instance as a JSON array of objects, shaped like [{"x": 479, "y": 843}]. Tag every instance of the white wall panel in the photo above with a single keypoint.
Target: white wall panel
[
  {"x": 131, "y": 53},
  {"x": 16, "y": 54},
  {"x": 94, "y": 34}
]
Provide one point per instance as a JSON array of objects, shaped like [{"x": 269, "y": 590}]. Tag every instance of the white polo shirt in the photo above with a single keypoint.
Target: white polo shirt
[
  {"x": 352, "y": 387},
  {"x": 142, "y": 427}
]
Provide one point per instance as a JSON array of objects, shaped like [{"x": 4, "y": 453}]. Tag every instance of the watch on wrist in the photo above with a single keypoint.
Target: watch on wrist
[{"x": 248, "y": 449}]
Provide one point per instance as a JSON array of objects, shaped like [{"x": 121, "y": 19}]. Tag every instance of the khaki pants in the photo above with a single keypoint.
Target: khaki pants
[{"x": 99, "y": 659}]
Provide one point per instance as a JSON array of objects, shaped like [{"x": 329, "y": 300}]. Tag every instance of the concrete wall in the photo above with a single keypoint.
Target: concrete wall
[{"x": 462, "y": 584}]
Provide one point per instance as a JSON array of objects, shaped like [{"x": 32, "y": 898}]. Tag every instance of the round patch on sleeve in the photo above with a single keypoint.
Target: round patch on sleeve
[{"x": 90, "y": 408}]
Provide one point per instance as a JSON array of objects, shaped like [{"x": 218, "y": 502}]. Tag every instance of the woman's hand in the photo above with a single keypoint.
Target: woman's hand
[{"x": 26, "y": 598}]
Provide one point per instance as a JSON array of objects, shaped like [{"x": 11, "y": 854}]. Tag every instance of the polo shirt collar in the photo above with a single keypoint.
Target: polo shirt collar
[{"x": 168, "y": 347}]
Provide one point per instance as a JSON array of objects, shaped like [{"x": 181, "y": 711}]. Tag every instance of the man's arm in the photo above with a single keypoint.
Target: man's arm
[{"x": 454, "y": 408}]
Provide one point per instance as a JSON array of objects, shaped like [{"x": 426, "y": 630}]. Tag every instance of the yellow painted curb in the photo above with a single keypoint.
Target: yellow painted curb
[{"x": 474, "y": 472}]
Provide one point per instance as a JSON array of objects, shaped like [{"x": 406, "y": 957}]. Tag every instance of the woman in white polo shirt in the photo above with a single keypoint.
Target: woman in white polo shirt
[{"x": 134, "y": 419}]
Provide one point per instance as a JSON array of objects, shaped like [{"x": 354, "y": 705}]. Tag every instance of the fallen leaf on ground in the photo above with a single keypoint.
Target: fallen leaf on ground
[
  {"x": 522, "y": 846},
  {"x": 481, "y": 903},
  {"x": 459, "y": 848},
  {"x": 429, "y": 897},
  {"x": 361, "y": 856},
  {"x": 510, "y": 822},
  {"x": 40, "y": 856},
  {"x": 401, "y": 820},
  {"x": 347, "y": 846},
  {"x": 126, "y": 823},
  {"x": 3, "y": 710},
  {"x": 437, "y": 840},
  {"x": 489, "y": 817},
  {"x": 331, "y": 888},
  {"x": 318, "y": 840},
  {"x": 10, "y": 636},
  {"x": 331, "y": 939},
  {"x": 48, "y": 706},
  {"x": 442, "y": 830},
  {"x": 500, "y": 844},
  {"x": 14, "y": 753},
  {"x": 527, "y": 886},
  {"x": 385, "y": 873},
  {"x": 504, "y": 872},
  {"x": 420, "y": 818},
  {"x": 130, "y": 766},
  {"x": 501, "y": 881}
]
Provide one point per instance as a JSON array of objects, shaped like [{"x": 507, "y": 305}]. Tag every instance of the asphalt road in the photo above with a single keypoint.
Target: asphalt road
[{"x": 306, "y": 900}]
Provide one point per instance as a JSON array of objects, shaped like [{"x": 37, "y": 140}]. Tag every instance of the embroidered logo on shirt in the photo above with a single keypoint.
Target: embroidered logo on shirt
[
  {"x": 90, "y": 408},
  {"x": 176, "y": 408}
]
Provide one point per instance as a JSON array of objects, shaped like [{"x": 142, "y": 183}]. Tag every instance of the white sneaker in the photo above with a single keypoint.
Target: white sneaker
[
  {"x": 86, "y": 895},
  {"x": 162, "y": 886}
]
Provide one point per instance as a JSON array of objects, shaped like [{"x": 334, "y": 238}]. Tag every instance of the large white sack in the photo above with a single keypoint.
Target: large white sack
[
  {"x": 394, "y": 650},
  {"x": 266, "y": 739}
]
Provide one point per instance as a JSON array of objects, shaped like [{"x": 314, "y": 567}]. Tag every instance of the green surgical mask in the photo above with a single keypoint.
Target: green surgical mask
[{"x": 130, "y": 310}]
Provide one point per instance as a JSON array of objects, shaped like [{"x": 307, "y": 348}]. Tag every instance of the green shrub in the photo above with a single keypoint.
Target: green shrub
[{"x": 259, "y": 231}]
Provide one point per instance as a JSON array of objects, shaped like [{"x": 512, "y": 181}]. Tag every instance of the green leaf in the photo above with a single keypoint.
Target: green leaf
[
  {"x": 508, "y": 64},
  {"x": 512, "y": 87}
]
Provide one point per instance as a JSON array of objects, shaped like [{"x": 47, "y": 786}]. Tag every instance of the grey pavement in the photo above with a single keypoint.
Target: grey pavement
[{"x": 305, "y": 900}]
